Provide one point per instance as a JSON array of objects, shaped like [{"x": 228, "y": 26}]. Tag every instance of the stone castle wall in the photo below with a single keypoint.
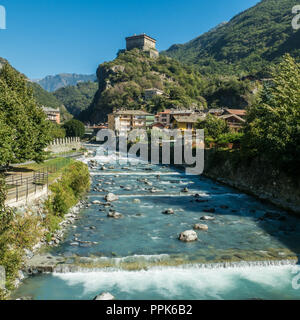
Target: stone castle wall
[{"x": 64, "y": 145}]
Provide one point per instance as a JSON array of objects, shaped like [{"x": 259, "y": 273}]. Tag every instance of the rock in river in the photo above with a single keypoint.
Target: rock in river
[
  {"x": 168, "y": 211},
  {"x": 111, "y": 197},
  {"x": 202, "y": 227},
  {"x": 115, "y": 215},
  {"x": 188, "y": 236},
  {"x": 96, "y": 202},
  {"x": 207, "y": 218},
  {"x": 104, "y": 296}
]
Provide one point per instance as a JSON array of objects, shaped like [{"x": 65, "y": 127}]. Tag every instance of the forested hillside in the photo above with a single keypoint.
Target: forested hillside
[
  {"x": 248, "y": 44},
  {"x": 77, "y": 98},
  {"x": 47, "y": 99},
  {"x": 123, "y": 81}
]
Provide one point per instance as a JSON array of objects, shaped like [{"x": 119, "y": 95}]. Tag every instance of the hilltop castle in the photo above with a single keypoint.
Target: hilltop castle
[{"x": 142, "y": 42}]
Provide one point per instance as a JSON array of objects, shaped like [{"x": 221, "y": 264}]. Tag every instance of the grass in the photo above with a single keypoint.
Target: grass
[{"x": 53, "y": 166}]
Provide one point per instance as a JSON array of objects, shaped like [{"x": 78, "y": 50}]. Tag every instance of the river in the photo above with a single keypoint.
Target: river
[{"x": 249, "y": 251}]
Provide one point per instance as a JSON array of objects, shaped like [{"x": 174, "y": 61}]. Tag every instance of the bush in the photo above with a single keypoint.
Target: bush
[
  {"x": 75, "y": 182},
  {"x": 213, "y": 127},
  {"x": 74, "y": 128},
  {"x": 230, "y": 137}
]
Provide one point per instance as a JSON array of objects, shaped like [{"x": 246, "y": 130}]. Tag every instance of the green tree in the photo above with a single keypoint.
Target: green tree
[
  {"x": 19, "y": 112},
  {"x": 74, "y": 128},
  {"x": 6, "y": 142},
  {"x": 56, "y": 131},
  {"x": 273, "y": 123},
  {"x": 213, "y": 127}
]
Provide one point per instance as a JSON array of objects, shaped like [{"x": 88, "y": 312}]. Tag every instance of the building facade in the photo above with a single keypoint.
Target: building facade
[
  {"x": 153, "y": 92},
  {"x": 53, "y": 115},
  {"x": 184, "y": 123},
  {"x": 128, "y": 120},
  {"x": 233, "y": 121},
  {"x": 165, "y": 117},
  {"x": 142, "y": 42}
]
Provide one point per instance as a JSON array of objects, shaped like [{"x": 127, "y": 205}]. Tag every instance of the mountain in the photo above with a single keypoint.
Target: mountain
[
  {"x": 77, "y": 98},
  {"x": 52, "y": 83},
  {"x": 123, "y": 81},
  {"x": 249, "y": 43},
  {"x": 43, "y": 97},
  {"x": 47, "y": 99}
]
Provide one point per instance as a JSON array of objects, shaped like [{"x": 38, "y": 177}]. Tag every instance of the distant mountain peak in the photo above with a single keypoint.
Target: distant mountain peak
[{"x": 54, "y": 82}]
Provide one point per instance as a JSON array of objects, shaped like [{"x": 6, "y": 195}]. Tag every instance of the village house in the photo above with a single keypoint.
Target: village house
[
  {"x": 127, "y": 120},
  {"x": 215, "y": 112},
  {"x": 238, "y": 112},
  {"x": 184, "y": 122},
  {"x": 53, "y": 115},
  {"x": 153, "y": 92},
  {"x": 234, "y": 122},
  {"x": 165, "y": 117}
]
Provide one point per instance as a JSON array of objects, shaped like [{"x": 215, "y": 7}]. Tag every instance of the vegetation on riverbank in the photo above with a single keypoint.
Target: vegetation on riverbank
[
  {"x": 65, "y": 193},
  {"x": 19, "y": 232},
  {"x": 271, "y": 131},
  {"x": 267, "y": 161}
]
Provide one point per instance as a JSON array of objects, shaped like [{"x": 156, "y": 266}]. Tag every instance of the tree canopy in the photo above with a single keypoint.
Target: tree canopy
[
  {"x": 213, "y": 127},
  {"x": 24, "y": 129},
  {"x": 74, "y": 128},
  {"x": 273, "y": 123}
]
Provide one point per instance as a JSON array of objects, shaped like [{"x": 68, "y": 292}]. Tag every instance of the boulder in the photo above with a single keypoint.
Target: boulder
[
  {"x": 96, "y": 202},
  {"x": 188, "y": 236},
  {"x": 185, "y": 190},
  {"x": 104, "y": 296},
  {"x": 202, "y": 227},
  {"x": 168, "y": 211},
  {"x": 25, "y": 298},
  {"x": 115, "y": 215},
  {"x": 111, "y": 197},
  {"x": 207, "y": 218},
  {"x": 136, "y": 201}
]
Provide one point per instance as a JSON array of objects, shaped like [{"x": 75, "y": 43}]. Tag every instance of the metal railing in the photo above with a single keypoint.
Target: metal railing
[{"x": 22, "y": 185}]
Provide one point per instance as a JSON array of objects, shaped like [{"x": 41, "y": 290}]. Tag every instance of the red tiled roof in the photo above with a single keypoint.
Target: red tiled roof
[{"x": 238, "y": 112}]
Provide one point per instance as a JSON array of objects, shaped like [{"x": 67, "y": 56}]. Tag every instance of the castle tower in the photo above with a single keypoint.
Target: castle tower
[{"x": 142, "y": 42}]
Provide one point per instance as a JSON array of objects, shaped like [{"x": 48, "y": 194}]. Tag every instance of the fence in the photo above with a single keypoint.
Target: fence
[{"x": 22, "y": 185}]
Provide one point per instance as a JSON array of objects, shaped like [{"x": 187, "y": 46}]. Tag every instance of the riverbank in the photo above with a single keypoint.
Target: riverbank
[
  {"x": 33, "y": 227},
  {"x": 255, "y": 178},
  {"x": 102, "y": 253}
]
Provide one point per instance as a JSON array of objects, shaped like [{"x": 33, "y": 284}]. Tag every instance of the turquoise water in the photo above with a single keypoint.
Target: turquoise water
[
  {"x": 167, "y": 283},
  {"x": 144, "y": 258}
]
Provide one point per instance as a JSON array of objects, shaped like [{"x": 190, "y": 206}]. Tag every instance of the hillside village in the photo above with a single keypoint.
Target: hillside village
[{"x": 180, "y": 117}]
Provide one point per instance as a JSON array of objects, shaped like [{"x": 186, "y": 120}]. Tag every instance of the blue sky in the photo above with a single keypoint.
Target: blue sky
[{"x": 46, "y": 37}]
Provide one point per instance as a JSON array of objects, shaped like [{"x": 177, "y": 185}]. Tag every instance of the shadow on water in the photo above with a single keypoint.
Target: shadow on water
[{"x": 221, "y": 200}]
